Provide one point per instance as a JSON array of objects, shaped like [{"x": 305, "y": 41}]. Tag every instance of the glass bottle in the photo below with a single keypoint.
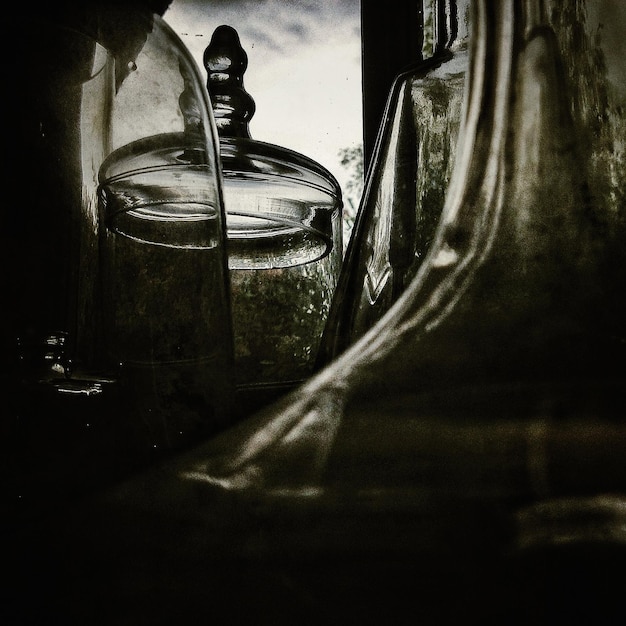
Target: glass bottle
[
  {"x": 406, "y": 182},
  {"x": 511, "y": 334}
]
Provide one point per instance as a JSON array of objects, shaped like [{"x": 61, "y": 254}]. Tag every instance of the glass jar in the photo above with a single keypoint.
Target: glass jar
[
  {"x": 165, "y": 276},
  {"x": 285, "y": 249}
]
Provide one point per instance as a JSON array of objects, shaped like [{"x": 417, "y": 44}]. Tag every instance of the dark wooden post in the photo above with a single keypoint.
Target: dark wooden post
[{"x": 391, "y": 38}]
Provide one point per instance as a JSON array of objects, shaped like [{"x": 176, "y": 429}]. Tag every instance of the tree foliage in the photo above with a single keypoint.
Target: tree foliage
[{"x": 352, "y": 161}]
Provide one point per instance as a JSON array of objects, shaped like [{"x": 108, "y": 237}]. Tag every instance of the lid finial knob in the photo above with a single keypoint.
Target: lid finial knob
[{"x": 226, "y": 62}]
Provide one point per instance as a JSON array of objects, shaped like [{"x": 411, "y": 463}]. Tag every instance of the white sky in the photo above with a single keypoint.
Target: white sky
[{"x": 304, "y": 68}]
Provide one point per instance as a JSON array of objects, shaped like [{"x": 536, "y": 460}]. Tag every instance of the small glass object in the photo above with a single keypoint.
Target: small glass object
[{"x": 284, "y": 220}]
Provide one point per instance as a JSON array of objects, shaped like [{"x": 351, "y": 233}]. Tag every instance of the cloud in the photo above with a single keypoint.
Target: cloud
[{"x": 278, "y": 25}]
